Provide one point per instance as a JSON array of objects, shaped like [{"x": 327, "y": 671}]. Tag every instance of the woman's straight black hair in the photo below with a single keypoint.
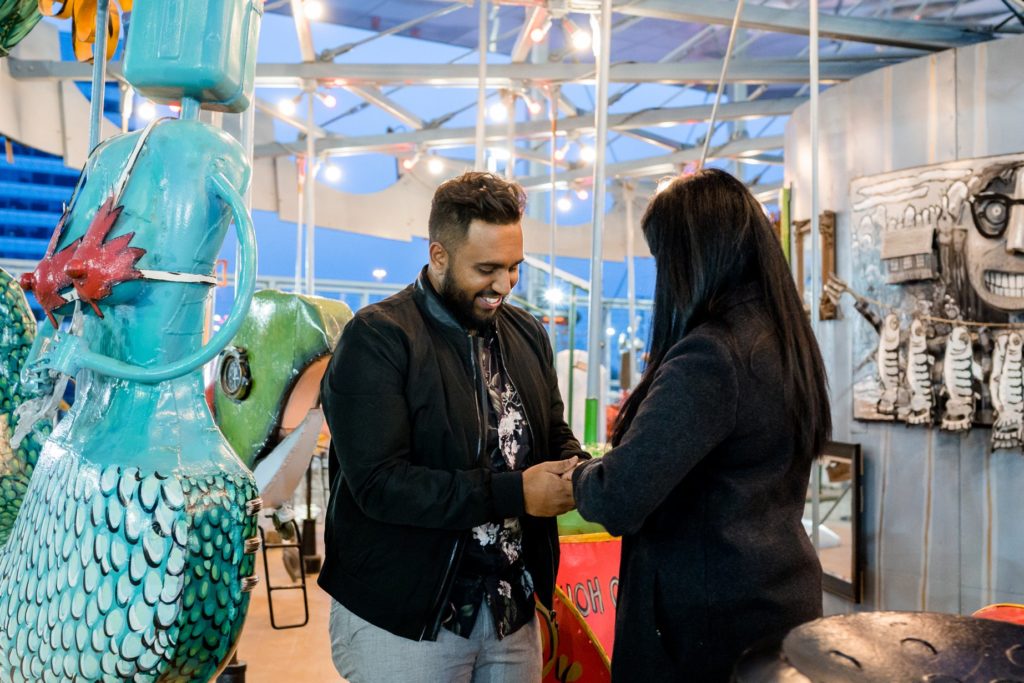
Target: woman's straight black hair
[{"x": 709, "y": 236}]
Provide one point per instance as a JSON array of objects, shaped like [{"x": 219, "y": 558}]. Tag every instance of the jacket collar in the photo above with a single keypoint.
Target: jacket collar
[{"x": 434, "y": 309}]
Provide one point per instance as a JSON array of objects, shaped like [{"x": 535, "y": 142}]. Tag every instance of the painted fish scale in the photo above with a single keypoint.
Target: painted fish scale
[
  {"x": 215, "y": 591},
  {"x": 63, "y": 588},
  {"x": 17, "y": 331}
]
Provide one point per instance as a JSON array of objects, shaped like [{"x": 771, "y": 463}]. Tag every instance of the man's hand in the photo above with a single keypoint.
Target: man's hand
[{"x": 545, "y": 493}]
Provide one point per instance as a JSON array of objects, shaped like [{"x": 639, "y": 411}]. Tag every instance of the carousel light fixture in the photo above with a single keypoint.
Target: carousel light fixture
[
  {"x": 581, "y": 40},
  {"x": 286, "y": 106},
  {"x": 554, "y": 296},
  {"x": 332, "y": 173},
  {"x": 147, "y": 111},
  {"x": 328, "y": 100},
  {"x": 540, "y": 33},
  {"x": 435, "y": 165},
  {"x": 564, "y": 204},
  {"x": 588, "y": 154},
  {"x": 498, "y": 112},
  {"x": 313, "y": 10}
]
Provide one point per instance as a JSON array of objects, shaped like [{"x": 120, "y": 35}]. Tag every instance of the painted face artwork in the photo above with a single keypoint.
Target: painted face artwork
[{"x": 995, "y": 240}]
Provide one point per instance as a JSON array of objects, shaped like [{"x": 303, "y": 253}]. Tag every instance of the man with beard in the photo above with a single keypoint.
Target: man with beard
[{"x": 448, "y": 443}]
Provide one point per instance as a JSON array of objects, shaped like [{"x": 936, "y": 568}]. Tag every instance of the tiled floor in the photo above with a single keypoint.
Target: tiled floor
[{"x": 299, "y": 655}]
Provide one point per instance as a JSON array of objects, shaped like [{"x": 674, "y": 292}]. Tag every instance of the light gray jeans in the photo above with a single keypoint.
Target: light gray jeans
[{"x": 364, "y": 653}]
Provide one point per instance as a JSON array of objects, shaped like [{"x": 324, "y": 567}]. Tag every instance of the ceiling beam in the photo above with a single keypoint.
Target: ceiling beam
[
  {"x": 498, "y": 75},
  {"x": 274, "y": 112},
  {"x": 440, "y": 138},
  {"x": 374, "y": 96},
  {"x": 664, "y": 164},
  {"x": 898, "y": 33}
]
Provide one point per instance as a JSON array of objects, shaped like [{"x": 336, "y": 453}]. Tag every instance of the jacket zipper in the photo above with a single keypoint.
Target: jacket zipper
[{"x": 445, "y": 588}]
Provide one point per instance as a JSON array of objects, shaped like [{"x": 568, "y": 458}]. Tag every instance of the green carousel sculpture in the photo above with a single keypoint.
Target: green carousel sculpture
[
  {"x": 133, "y": 551},
  {"x": 17, "y": 331}
]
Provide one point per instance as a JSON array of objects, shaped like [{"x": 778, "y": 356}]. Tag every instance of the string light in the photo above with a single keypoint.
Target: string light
[
  {"x": 147, "y": 111},
  {"x": 498, "y": 112},
  {"x": 538, "y": 34},
  {"x": 554, "y": 295},
  {"x": 313, "y": 10},
  {"x": 286, "y": 106},
  {"x": 332, "y": 173}
]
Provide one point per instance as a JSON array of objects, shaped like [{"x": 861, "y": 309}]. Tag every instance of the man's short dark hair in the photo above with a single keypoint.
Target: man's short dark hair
[{"x": 473, "y": 196}]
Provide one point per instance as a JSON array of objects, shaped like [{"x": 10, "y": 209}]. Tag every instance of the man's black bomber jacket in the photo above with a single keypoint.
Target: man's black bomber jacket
[{"x": 405, "y": 405}]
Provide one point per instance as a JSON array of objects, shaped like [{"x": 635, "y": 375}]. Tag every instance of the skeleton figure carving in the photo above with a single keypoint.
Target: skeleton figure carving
[
  {"x": 959, "y": 372},
  {"x": 919, "y": 375},
  {"x": 888, "y": 359},
  {"x": 1007, "y": 386}
]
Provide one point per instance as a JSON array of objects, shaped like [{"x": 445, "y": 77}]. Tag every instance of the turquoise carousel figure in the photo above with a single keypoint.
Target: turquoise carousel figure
[
  {"x": 132, "y": 555},
  {"x": 17, "y": 331}
]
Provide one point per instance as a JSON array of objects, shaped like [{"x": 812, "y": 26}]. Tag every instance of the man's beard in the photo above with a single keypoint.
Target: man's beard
[{"x": 462, "y": 305}]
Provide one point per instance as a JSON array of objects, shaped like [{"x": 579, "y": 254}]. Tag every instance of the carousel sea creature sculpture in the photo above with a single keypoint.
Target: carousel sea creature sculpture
[
  {"x": 1007, "y": 384},
  {"x": 133, "y": 553},
  {"x": 17, "y": 19},
  {"x": 17, "y": 330},
  {"x": 959, "y": 372},
  {"x": 919, "y": 375},
  {"x": 889, "y": 368}
]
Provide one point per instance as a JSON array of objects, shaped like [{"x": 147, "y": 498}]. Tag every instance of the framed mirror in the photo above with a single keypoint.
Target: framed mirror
[
  {"x": 803, "y": 256},
  {"x": 840, "y": 509}
]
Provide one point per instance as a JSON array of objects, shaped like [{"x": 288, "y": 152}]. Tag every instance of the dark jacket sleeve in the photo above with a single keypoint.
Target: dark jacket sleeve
[
  {"x": 689, "y": 409},
  {"x": 363, "y": 395}
]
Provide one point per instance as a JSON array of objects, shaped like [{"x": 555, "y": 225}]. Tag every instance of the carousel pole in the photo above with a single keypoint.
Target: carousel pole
[
  {"x": 510, "y": 165},
  {"x": 99, "y": 73},
  {"x": 311, "y": 169},
  {"x": 481, "y": 95},
  {"x": 596, "y": 336},
  {"x": 721, "y": 85},
  {"x": 627, "y": 195},
  {"x": 815, "y": 252},
  {"x": 553, "y": 221}
]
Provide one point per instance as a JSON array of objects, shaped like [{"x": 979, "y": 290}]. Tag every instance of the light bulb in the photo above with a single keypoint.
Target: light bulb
[
  {"x": 313, "y": 10},
  {"x": 330, "y": 101},
  {"x": 435, "y": 166},
  {"x": 286, "y": 106},
  {"x": 582, "y": 194},
  {"x": 147, "y": 111},
  {"x": 564, "y": 204},
  {"x": 587, "y": 154},
  {"x": 581, "y": 40},
  {"x": 554, "y": 296},
  {"x": 332, "y": 173},
  {"x": 498, "y": 112}
]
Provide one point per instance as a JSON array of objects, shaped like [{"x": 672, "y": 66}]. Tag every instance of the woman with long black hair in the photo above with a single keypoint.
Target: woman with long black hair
[{"x": 712, "y": 452}]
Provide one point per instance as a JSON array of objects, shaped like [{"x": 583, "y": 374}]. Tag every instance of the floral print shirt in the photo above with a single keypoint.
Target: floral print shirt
[{"x": 493, "y": 571}]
